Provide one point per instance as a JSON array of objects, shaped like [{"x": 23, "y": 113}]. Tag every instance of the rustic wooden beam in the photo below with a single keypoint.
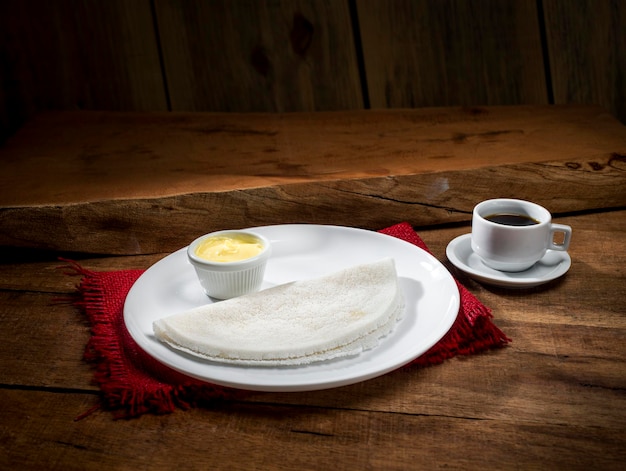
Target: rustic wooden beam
[{"x": 148, "y": 183}]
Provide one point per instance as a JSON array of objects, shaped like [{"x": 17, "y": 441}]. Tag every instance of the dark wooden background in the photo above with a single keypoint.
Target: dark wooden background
[{"x": 307, "y": 55}]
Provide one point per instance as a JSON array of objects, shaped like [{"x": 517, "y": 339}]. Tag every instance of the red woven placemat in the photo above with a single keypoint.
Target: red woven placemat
[{"x": 133, "y": 383}]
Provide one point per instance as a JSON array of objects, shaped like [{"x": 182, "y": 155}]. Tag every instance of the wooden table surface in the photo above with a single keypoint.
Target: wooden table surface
[{"x": 555, "y": 398}]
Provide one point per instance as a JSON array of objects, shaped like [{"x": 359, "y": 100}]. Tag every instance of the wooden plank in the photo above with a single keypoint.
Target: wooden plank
[
  {"x": 74, "y": 157},
  {"x": 234, "y": 55},
  {"x": 71, "y": 54},
  {"x": 553, "y": 398},
  {"x": 449, "y": 53},
  {"x": 569, "y": 368},
  {"x": 38, "y": 432},
  {"x": 149, "y": 183},
  {"x": 587, "y": 50},
  {"x": 553, "y": 340},
  {"x": 549, "y": 364},
  {"x": 153, "y": 225},
  {"x": 47, "y": 344}
]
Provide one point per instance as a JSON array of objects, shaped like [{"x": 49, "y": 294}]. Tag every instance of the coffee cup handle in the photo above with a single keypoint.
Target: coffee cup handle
[{"x": 567, "y": 235}]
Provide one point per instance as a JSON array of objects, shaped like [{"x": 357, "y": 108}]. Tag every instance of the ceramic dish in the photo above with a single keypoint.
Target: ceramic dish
[
  {"x": 301, "y": 252},
  {"x": 553, "y": 265}
]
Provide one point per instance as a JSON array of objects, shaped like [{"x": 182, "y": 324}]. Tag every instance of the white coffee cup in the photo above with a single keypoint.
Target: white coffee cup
[{"x": 517, "y": 242}]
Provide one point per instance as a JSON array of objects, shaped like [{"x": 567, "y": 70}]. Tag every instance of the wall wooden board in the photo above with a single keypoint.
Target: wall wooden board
[
  {"x": 234, "y": 55},
  {"x": 437, "y": 53},
  {"x": 307, "y": 55},
  {"x": 587, "y": 48},
  {"x": 71, "y": 54}
]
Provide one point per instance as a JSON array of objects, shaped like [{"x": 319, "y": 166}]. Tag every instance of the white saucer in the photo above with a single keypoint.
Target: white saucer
[{"x": 553, "y": 265}]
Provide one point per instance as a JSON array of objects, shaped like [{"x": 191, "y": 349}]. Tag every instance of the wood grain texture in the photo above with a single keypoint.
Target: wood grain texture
[
  {"x": 240, "y": 436},
  {"x": 587, "y": 48},
  {"x": 133, "y": 184},
  {"x": 92, "y": 156},
  {"x": 234, "y": 55},
  {"x": 160, "y": 224},
  {"x": 74, "y": 54},
  {"x": 450, "y": 53},
  {"x": 554, "y": 398},
  {"x": 302, "y": 55}
]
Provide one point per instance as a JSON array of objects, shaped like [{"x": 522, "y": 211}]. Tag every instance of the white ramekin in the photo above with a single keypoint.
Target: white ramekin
[{"x": 224, "y": 280}]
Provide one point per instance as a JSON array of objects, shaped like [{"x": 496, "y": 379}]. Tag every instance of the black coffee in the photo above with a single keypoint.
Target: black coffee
[{"x": 512, "y": 219}]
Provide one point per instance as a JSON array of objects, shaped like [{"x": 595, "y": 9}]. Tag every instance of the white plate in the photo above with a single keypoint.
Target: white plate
[
  {"x": 553, "y": 265},
  {"x": 302, "y": 251}
]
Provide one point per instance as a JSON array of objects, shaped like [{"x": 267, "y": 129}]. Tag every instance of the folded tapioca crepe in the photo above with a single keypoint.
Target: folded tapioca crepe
[{"x": 296, "y": 323}]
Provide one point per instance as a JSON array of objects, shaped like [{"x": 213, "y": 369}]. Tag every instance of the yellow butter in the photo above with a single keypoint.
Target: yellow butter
[{"x": 229, "y": 248}]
